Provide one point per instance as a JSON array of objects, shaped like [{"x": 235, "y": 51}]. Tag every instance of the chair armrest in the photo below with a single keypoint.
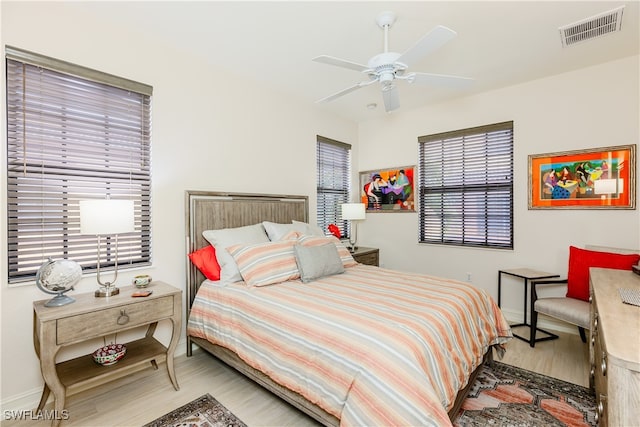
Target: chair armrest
[{"x": 543, "y": 282}]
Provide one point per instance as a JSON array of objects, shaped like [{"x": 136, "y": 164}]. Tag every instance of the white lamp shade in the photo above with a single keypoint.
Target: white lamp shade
[
  {"x": 353, "y": 211},
  {"x": 102, "y": 217}
]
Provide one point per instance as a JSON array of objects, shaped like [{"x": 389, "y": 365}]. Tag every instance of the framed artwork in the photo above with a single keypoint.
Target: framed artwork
[
  {"x": 599, "y": 178},
  {"x": 388, "y": 190}
]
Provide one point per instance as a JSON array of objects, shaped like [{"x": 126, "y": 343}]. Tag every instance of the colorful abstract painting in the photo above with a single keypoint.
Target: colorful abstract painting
[{"x": 595, "y": 178}]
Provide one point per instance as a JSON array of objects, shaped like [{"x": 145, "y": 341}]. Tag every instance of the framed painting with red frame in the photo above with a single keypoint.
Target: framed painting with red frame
[{"x": 598, "y": 178}]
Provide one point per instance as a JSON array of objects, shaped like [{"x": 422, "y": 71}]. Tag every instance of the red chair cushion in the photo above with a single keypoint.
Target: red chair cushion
[
  {"x": 206, "y": 261},
  {"x": 581, "y": 259}
]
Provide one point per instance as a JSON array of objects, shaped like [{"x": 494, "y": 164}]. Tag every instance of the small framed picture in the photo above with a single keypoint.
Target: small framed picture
[{"x": 388, "y": 190}]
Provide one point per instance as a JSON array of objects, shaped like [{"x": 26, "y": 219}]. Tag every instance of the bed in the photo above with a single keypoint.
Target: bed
[{"x": 340, "y": 347}]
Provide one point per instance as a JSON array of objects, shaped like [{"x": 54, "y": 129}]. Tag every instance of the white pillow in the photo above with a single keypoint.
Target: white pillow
[
  {"x": 277, "y": 231},
  {"x": 307, "y": 228},
  {"x": 223, "y": 238}
]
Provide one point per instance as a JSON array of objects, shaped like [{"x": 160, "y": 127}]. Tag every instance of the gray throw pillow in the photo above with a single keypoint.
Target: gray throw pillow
[{"x": 315, "y": 262}]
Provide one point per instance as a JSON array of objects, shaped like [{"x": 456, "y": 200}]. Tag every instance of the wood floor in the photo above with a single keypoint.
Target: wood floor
[{"x": 147, "y": 395}]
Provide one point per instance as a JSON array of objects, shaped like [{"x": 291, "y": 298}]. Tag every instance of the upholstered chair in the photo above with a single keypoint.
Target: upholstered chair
[{"x": 575, "y": 306}]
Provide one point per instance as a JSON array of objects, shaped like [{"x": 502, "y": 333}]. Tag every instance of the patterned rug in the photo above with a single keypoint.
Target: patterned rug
[
  {"x": 205, "y": 411},
  {"x": 502, "y": 395}
]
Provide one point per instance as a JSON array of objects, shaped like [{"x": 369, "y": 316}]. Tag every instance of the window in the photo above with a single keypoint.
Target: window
[
  {"x": 73, "y": 134},
  {"x": 466, "y": 187},
  {"x": 334, "y": 182}
]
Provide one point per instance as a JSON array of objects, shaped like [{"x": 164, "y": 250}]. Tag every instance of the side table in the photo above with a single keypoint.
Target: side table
[
  {"x": 90, "y": 317},
  {"x": 368, "y": 256},
  {"x": 527, "y": 274}
]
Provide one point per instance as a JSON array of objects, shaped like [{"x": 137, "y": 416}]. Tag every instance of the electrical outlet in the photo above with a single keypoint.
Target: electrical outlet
[{"x": 469, "y": 277}]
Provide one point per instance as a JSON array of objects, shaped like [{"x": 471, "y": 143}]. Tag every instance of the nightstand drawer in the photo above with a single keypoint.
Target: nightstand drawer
[
  {"x": 369, "y": 259},
  {"x": 110, "y": 320},
  {"x": 368, "y": 256}
]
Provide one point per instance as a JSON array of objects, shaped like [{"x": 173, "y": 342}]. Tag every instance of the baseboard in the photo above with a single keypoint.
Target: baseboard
[
  {"x": 544, "y": 322},
  {"x": 30, "y": 399}
]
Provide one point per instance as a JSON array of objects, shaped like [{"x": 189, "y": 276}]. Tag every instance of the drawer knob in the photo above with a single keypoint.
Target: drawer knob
[
  {"x": 123, "y": 319},
  {"x": 603, "y": 364}
]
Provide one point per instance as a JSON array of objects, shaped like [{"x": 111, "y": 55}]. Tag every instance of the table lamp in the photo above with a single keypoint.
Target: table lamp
[
  {"x": 353, "y": 212},
  {"x": 106, "y": 217}
]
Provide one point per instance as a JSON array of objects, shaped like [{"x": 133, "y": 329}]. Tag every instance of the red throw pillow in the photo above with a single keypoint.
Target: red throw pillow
[
  {"x": 206, "y": 261},
  {"x": 581, "y": 259}
]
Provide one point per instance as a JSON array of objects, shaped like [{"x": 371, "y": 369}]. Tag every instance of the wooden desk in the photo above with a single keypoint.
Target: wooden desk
[
  {"x": 614, "y": 347},
  {"x": 90, "y": 317}
]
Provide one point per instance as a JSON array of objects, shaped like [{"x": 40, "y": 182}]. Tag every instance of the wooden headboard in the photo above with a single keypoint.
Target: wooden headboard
[{"x": 207, "y": 210}]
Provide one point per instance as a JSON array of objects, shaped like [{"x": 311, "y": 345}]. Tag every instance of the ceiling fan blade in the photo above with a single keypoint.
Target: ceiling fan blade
[
  {"x": 440, "y": 80},
  {"x": 324, "y": 59},
  {"x": 431, "y": 41},
  {"x": 391, "y": 99},
  {"x": 342, "y": 92}
]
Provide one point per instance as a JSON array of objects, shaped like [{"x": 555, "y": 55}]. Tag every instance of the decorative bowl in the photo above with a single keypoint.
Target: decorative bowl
[
  {"x": 142, "y": 280},
  {"x": 109, "y": 354}
]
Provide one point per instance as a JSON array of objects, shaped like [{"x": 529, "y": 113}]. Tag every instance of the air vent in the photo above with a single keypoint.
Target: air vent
[{"x": 590, "y": 28}]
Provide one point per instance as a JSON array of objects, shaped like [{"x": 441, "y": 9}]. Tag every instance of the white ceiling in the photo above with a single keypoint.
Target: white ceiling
[{"x": 498, "y": 43}]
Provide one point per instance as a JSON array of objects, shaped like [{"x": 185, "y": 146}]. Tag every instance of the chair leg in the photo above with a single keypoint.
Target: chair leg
[
  {"x": 583, "y": 336},
  {"x": 534, "y": 328}
]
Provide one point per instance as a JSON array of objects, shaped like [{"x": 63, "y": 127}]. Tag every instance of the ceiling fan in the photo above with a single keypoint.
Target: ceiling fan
[{"x": 387, "y": 67}]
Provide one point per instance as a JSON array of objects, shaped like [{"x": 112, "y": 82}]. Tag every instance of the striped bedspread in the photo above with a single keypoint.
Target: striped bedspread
[{"x": 371, "y": 346}]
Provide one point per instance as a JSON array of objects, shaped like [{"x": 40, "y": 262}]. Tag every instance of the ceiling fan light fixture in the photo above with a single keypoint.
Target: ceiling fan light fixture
[
  {"x": 388, "y": 66},
  {"x": 386, "y": 78}
]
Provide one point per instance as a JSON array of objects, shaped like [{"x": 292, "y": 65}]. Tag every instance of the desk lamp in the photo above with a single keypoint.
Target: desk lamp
[{"x": 106, "y": 217}]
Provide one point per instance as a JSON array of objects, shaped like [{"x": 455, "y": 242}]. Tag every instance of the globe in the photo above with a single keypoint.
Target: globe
[{"x": 56, "y": 278}]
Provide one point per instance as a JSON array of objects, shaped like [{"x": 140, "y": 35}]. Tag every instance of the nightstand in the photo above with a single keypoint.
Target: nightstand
[
  {"x": 369, "y": 256},
  {"x": 90, "y": 317}
]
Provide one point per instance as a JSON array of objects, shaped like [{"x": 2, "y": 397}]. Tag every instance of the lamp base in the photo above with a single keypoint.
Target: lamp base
[{"x": 107, "y": 292}]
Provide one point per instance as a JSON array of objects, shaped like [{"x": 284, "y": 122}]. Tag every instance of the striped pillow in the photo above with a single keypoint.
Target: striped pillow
[
  {"x": 292, "y": 235},
  {"x": 345, "y": 255},
  {"x": 263, "y": 264}
]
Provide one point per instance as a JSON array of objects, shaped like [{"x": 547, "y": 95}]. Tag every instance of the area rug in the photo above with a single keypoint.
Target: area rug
[
  {"x": 205, "y": 411},
  {"x": 504, "y": 395}
]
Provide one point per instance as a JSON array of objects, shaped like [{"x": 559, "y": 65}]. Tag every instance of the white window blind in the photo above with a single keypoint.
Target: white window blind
[
  {"x": 73, "y": 134},
  {"x": 466, "y": 187},
  {"x": 333, "y": 182}
]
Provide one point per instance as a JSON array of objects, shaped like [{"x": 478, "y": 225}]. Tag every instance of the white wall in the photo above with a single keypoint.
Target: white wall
[
  {"x": 211, "y": 131},
  {"x": 594, "y": 107},
  {"x": 214, "y": 131}
]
